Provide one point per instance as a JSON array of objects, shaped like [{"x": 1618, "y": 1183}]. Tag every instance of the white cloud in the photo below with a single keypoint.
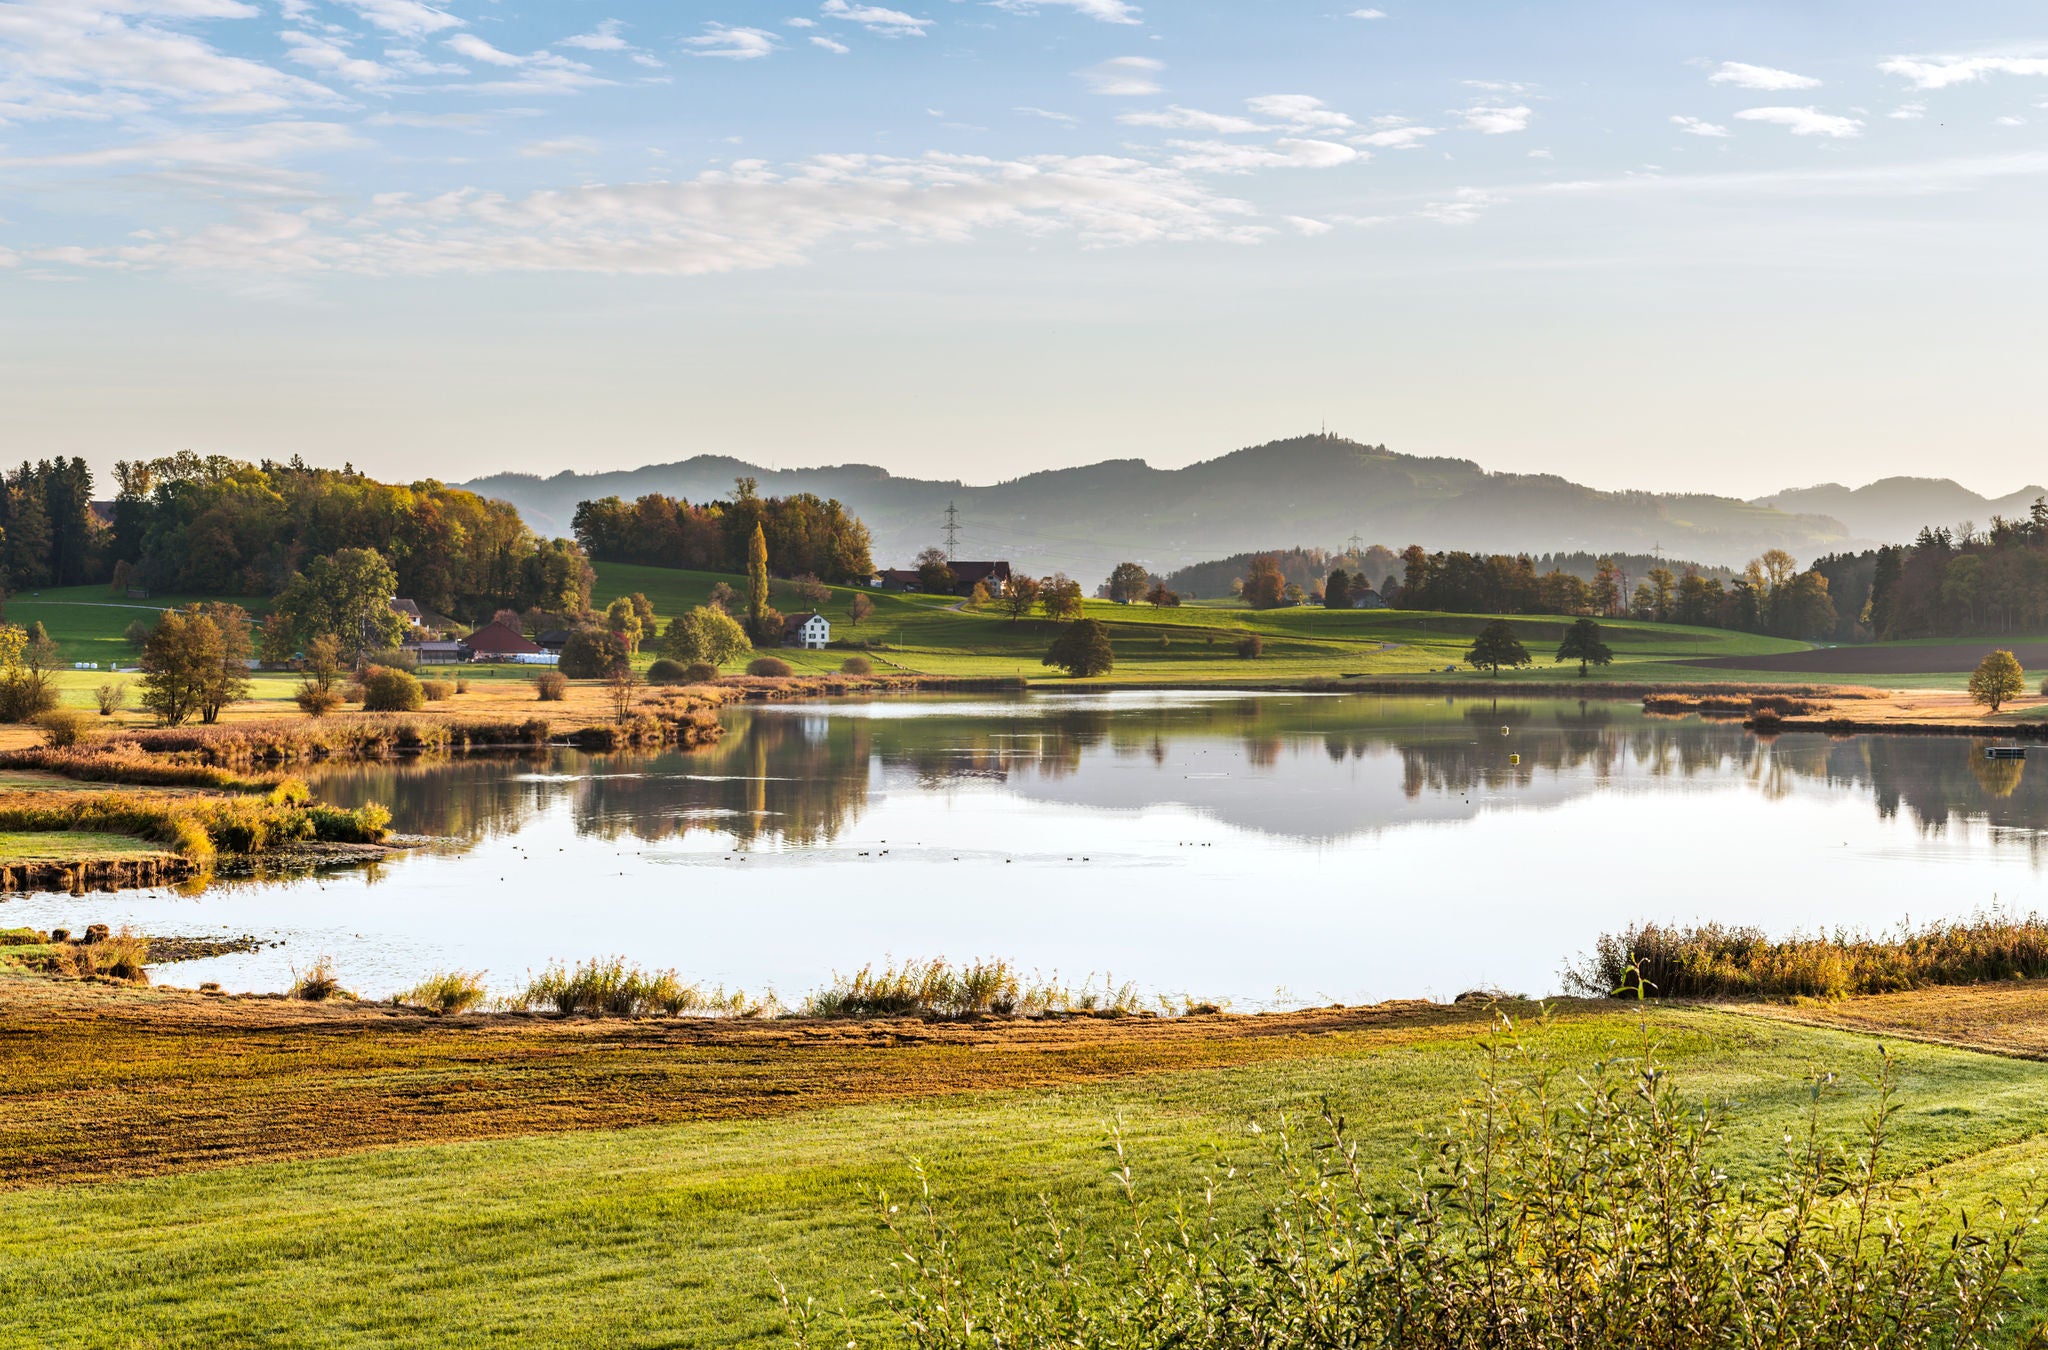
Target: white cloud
[
  {"x": 829, "y": 45},
  {"x": 560, "y": 145},
  {"x": 887, "y": 22},
  {"x": 408, "y": 18},
  {"x": 1939, "y": 72},
  {"x": 1067, "y": 119},
  {"x": 1176, "y": 118},
  {"x": 748, "y": 216},
  {"x": 255, "y": 145},
  {"x": 476, "y": 49},
  {"x": 1693, "y": 126},
  {"x": 85, "y": 59},
  {"x": 1395, "y": 138},
  {"x": 1106, "y": 11},
  {"x": 323, "y": 54},
  {"x": 1304, "y": 225},
  {"x": 1745, "y": 76},
  {"x": 604, "y": 38},
  {"x": 1496, "y": 121},
  {"x": 1805, "y": 121},
  {"x": 1908, "y": 112},
  {"x": 1299, "y": 110},
  {"x": 1498, "y": 86},
  {"x": 1466, "y": 205},
  {"x": 1123, "y": 76},
  {"x": 2008, "y": 121},
  {"x": 734, "y": 44},
  {"x": 1228, "y": 157},
  {"x": 1368, "y": 14}
]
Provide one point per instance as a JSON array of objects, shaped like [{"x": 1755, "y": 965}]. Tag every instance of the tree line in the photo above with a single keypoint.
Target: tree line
[
  {"x": 805, "y": 534},
  {"x": 1770, "y": 595},
  {"x": 1963, "y": 582}
]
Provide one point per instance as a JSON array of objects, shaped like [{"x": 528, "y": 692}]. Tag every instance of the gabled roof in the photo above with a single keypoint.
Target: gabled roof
[
  {"x": 496, "y": 637},
  {"x": 799, "y": 620},
  {"x": 408, "y": 608}
]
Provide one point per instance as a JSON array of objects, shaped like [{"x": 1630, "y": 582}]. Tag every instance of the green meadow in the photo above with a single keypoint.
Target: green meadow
[
  {"x": 674, "y": 1236},
  {"x": 1193, "y": 644}
]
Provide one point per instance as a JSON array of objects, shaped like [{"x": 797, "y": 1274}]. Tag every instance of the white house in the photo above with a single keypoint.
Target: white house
[{"x": 808, "y": 630}]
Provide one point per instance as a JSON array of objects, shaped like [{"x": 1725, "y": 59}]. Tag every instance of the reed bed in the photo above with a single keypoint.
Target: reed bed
[
  {"x": 453, "y": 991},
  {"x": 608, "y": 987},
  {"x": 319, "y": 983},
  {"x": 1718, "y": 961},
  {"x": 939, "y": 989},
  {"x": 370, "y": 736},
  {"x": 126, "y": 762},
  {"x": 197, "y": 828},
  {"x": 1778, "y": 705}
]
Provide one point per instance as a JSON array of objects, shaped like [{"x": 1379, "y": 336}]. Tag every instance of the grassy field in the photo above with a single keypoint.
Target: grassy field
[
  {"x": 71, "y": 846},
  {"x": 671, "y": 1235},
  {"x": 1196, "y": 644},
  {"x": 1192, "y": 644}
]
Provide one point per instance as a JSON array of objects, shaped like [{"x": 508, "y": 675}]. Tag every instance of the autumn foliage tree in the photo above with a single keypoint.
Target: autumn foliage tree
[
  {"x": 1998, "y": 677},
  {"x": 1265, "y": 587}
]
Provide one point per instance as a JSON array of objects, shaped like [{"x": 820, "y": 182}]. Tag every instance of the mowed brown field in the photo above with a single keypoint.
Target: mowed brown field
[{"x": 99, "y": 1082}]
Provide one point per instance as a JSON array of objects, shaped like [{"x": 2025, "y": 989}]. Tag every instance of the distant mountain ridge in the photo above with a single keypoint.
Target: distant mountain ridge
[
  {"x": 1893, "y": 510},
  {"x": 1315, "y": 490}
]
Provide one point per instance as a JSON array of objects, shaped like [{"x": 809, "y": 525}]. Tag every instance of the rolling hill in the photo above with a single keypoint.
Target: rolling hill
[
  {"x": 1315, "y": 490},
  {"x": 1892, "y": 510}
]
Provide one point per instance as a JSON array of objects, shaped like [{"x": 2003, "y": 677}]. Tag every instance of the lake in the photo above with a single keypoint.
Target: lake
[{"x": 1269, "y": 850}]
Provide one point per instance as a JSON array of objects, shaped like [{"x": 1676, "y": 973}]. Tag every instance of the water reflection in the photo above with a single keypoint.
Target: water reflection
[
  {"x": 1309, "y": 769},
  {"x": 1345, "y": 848}
]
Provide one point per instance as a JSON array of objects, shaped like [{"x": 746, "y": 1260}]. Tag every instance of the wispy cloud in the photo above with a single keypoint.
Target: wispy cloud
[
  {"x": 604, "y": 38},
  {"x": 829, "y": 45},
  {"x": 1367, "y": 14},
  {"x": 1497, "y": 121},
  {"x": 733, "y": 44},
  {"x": 874, "y": 18},
  {"x": 1065, "y": 119},
  {"x": 1939, "y": 72},
  {"x": 1176, "y": 118},
  {"x": 559, "y": 146},
  {"x": 1123, "y": 76},
  {"x": 1300, "y": 110},
  {"x": 1105, "y": 11},
  {"x": 1745, "y": 76},
  {"x": 1805, "y": 121},
  {"x": 408, "y": 18},
  {"x": 1232, "y": 157},
  {"x": 1693, "y": 126}
]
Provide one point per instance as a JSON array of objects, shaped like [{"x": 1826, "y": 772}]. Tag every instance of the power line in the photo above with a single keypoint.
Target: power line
[{"x": 952, "y": 530}]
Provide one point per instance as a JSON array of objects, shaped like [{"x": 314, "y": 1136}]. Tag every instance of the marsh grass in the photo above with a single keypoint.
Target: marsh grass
[
  {"x": 318, "y": 983},
  {"x": 938, "y": 988},
  {"x": 452, "y": 991},
  {"x": 1719, "y": 961},
  {"x": 197, "y": 827},
  {"x": 1566, "y": 1205},
  {"x": 374, "y": 736},
  {"x": 609, "y": 987}
]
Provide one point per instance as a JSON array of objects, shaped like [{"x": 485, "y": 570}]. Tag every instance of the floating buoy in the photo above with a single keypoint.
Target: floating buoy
[
  {"x": 1503, "y": 731},
  {"x": 1514, "y": 759}
]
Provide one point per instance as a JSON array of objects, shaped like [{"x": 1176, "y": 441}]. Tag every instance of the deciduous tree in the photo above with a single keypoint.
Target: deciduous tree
[
  {"x": 1998, "y": 677},
  {"x": 1127, "y": 583},
  {"x": 1264, "y": 585},
  {"x": 1582, "y": 643},
  {"x": 1082, "y": 649},
  {"x": 1019, "y": 596},
  {"x": 1497, "y": 646}
]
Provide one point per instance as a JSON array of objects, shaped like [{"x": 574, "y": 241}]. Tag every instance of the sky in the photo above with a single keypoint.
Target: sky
[{"x": 1732, "y": 247}]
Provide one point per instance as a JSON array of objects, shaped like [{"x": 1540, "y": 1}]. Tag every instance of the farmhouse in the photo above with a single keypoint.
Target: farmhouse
[
  {"x": 439, "y": 651},
  {"x": 965, "y": 576},
  {"x": 809, "y": 629},
  {"x": 496, "y": 642}
]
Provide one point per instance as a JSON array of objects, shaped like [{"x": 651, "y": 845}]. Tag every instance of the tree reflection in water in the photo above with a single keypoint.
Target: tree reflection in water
[{"x": 1303, "y": 767}]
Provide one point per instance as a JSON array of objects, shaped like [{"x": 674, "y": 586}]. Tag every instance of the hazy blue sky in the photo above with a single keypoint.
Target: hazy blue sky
[{"x": 1733, "y": 247}]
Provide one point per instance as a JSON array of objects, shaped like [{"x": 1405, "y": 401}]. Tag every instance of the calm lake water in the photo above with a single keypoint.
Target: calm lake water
[{"x": 1269, "y": 850}]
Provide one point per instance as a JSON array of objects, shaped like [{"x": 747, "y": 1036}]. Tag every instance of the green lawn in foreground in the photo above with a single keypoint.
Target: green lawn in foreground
[
  {"x": 670, "y": 1236},
  {"x": 70, "y": 846},
  {"x": 938, "y": 635}
]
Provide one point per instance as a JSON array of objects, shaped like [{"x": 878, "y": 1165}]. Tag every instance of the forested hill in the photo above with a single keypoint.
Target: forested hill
[{"x": 1312, "y": 490}]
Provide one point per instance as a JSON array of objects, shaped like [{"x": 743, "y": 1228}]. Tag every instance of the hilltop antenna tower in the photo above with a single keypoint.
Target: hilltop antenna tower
[{"x": 952, "y": 530}]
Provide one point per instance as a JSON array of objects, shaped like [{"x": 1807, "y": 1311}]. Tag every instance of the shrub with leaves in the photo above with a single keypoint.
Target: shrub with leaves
[
  {"x": 551, "y": 686},
  {"x": 386, "y": 689},
  {"x": 1562, "y": 1210}
]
